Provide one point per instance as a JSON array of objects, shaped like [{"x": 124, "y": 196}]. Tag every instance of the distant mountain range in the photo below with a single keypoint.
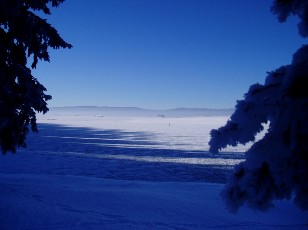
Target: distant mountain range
[{"x": 106, "y": 111}]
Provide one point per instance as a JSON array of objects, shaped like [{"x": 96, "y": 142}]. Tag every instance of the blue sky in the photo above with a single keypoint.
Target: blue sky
[{"x": 164, "y": 53}]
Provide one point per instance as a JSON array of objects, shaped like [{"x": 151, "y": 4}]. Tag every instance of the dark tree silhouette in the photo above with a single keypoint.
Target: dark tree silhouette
[
  {"x": 276, "y": 167},
  {"x": 23, "y": 35}
]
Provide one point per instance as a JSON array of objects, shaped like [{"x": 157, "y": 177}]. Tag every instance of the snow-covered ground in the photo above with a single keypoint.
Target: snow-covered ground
[{"x": 95, "y": 172}]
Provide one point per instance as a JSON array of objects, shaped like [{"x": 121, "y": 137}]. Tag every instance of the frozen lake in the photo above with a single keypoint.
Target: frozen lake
[
  {"x": 87, "y": 171},
  {"x": 126, "y": 148}
]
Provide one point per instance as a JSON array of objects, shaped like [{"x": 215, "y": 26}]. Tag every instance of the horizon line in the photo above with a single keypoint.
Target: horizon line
[{"x": 136, "y": 107}]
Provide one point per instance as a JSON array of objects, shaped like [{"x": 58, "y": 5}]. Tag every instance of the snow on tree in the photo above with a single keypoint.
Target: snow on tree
[
  {"x": 23, "y": 34},
  {"x": 276, "y": 167}
]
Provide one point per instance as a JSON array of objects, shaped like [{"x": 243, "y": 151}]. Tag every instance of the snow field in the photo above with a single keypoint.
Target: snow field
[{"x": 89, "y": 172}]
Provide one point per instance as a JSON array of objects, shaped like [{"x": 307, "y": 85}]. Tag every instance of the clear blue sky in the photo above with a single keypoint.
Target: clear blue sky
[{"x": 164, "y": 53}]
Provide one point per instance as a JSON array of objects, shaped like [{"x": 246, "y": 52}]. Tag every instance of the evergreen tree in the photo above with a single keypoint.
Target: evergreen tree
[
  {"x": 23, "y": 35},
  {"x": 276, "y": 167}
]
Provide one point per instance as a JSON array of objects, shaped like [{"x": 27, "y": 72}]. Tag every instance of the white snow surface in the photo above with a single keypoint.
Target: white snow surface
[{"x": 95, "y": 172}]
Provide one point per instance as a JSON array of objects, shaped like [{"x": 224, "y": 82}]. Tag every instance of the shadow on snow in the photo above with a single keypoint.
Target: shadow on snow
[{"x": 114, "y": 154}]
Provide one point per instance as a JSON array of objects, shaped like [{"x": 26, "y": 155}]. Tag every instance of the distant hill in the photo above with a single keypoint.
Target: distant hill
[{"x": 105, "y": 111}]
